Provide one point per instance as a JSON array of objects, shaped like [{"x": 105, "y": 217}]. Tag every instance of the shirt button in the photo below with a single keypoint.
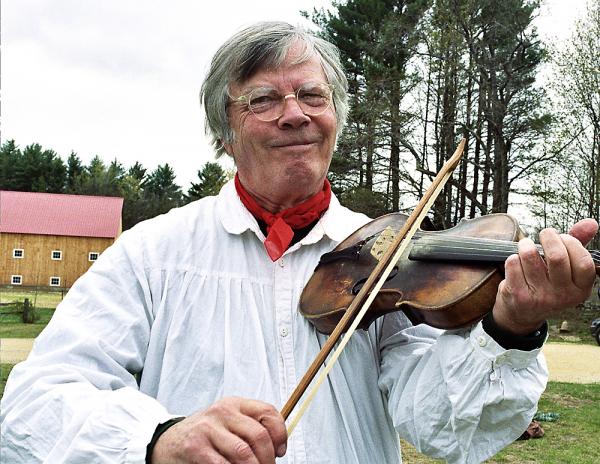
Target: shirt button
[
  {"x": 481, "y": 340},
  {"x": 281, "y": 262},
  {"x": 283, "y": 331}
]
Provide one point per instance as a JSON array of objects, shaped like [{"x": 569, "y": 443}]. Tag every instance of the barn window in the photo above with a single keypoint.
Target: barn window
[
  {"x": 56, "y": 255},
  {"x": 18, "y": 252},
  {"x": 16, "y": 279},
  {"x": 55, "y": 281},
  {"x": 93, "y": 256}
]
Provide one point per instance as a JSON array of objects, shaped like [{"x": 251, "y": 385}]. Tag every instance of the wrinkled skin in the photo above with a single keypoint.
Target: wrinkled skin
[
  {"x": 537, "y": 289},
  {"x": 283, "y": 162},
  {"x": 232, "y": 430}
]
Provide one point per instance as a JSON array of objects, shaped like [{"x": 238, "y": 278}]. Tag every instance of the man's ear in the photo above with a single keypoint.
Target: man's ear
[{"x": 228, "y": 147}]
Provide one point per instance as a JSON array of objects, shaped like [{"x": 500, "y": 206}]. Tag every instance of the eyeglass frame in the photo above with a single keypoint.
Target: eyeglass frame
[{"x": 246, "y": 100}]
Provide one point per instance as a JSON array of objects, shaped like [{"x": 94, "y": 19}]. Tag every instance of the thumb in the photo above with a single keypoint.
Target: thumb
[{"x": 584, "y": 230}]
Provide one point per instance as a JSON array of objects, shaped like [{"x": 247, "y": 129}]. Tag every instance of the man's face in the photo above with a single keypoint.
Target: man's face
[{"x": 282, "y": 162}]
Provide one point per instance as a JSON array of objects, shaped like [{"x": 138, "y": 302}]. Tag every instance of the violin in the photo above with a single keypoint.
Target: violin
[{"x": 447, "y": 279}]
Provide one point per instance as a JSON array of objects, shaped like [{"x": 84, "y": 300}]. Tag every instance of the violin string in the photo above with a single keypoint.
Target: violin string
[
  {"x": 462, "y": 247},
  {"x": 492, "y": 244},
  {"x": 495, "y": 247},
  {"x": 466, "y": 239},
  {"x": 464, "y": 244},
  {"x": 470, "y": 244}
]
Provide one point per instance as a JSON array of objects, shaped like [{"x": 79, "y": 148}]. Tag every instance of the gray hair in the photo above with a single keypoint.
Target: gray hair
[{"x": 260, "y": 46}]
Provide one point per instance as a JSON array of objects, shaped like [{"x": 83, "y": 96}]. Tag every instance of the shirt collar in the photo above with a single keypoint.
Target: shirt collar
[
  {"x": 234, "y": 216},
  {"x": 335, "y": 223}
]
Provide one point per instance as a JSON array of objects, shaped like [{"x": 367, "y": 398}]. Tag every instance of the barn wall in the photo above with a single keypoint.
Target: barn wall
[{"x": 36, "y": 267}]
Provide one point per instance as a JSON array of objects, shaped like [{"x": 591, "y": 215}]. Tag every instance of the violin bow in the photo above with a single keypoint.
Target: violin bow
[{"x": 362, "y": 301}]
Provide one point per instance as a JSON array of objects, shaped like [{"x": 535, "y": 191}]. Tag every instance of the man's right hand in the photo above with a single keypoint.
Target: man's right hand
[{"x": 232, "y": 430}]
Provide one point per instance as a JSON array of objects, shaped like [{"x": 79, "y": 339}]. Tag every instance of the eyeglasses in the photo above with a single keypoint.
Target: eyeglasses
[{"x": 268, "y": 105}]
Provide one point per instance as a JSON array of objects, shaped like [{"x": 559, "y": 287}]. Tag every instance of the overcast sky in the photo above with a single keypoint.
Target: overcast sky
[{"x": 120, "y": 78}]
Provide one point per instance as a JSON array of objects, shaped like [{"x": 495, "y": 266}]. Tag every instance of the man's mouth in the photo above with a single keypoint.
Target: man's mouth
[{"x": 292, "y": 143}]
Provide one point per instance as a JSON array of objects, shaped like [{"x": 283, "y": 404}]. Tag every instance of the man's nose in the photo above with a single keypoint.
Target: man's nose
[{"x": 292, "y": 116}]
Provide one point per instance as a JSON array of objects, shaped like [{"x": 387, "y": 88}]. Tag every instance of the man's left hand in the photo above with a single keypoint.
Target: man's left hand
[{"x": 536, "y": 288}]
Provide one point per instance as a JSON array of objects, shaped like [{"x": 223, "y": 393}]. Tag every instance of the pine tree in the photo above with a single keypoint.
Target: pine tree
[
  {"x": 38, "y": 170},
  {"x": 211, "y": 178},
  {"x": 161, "y": 193},
  {"x": 9, "y": 157},
  {"x": 377, "y": 39},
  {"x": 75, "y": 169}
]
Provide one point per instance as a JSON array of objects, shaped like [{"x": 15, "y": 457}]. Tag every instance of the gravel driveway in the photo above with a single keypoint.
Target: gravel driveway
[{"x": 574, "y": 363}]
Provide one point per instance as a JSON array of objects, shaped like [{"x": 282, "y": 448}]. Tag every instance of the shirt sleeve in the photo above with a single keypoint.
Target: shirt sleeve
[
  {"x": 76, "y": 399},
  {"x": 457, "y": 395}
]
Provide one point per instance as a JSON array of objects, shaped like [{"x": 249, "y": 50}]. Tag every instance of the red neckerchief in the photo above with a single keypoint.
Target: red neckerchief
[{"x": 280, "y": 226}]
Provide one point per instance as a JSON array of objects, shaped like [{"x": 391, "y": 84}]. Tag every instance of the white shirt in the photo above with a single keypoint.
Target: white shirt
[{"x": 190, "y": 304}]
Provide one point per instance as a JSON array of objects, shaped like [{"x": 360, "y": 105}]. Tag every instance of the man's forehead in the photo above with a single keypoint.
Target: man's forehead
[{"x": 296, "y": 73}]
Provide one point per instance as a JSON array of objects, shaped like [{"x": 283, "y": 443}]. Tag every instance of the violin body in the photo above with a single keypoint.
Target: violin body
[{"x": 446, "y": 294}]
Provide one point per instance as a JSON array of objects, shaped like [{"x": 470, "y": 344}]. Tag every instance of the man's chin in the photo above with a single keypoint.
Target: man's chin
[{"x": 304, "y": 179}]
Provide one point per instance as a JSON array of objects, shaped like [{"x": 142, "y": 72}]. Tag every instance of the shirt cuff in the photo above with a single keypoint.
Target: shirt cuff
[
  {"x": 510, "y": 341},
  {"x": 160, "y": 429}
]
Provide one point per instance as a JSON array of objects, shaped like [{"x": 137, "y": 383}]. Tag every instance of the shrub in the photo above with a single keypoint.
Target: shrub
[{"x": 30, "y": 313}]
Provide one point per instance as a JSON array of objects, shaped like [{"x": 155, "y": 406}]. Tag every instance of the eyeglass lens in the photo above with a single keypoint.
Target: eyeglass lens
[{"x": 267, "y": 104}]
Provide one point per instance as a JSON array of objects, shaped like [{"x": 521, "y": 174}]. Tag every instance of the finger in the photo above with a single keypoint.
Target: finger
[
  {"x": 255, "y": 435},
  {"x": 556, "y": 258},
  {"x": 210, "y": 456},
  {"x": 533, "y": 266},
  {"x": 582, "y": 266},
  {"x": 231, "y": 447},
  {"x": 514, "y": 288},
  {"x": 513, "y": 274},
  {"x": 278, "y": 432},
  {"x": 271, "y": 419},
  {"x": 584, "y": 230}
]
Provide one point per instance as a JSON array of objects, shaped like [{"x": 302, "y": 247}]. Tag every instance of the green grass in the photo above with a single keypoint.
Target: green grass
[
  {"x": 11, "y": 325},
  {"x": 42, "y": 299},
  {"x": 4, "y": 371},
  {"x": 573, "y": 438},
  {"x": 579, "y": 327}
]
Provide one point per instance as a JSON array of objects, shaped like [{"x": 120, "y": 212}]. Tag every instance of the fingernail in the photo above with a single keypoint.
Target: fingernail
[{"x": 281, "y": 450}]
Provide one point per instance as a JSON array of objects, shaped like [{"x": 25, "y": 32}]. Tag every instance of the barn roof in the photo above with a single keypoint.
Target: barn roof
[{"x": 58, "y": 214}]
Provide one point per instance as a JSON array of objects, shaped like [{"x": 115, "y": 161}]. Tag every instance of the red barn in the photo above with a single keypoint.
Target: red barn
[{"x": 49, "y": 239}]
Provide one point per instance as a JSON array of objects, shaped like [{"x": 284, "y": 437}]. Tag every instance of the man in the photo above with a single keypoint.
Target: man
[{"x": 183, "y": 340}]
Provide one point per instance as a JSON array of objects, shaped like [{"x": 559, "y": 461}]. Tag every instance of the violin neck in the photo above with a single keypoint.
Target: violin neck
[{"x": 427, "y": 248}]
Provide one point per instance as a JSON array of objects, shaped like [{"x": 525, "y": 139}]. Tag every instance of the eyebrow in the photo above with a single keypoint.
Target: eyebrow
[{"x": 247, "y": 90}]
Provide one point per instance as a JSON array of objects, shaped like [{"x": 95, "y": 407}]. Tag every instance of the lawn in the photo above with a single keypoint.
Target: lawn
[
  {"x": 42, "y": 299},
  {"x": 11, "y": 324},
  {"x": 573, "y": 438},
  {"x": 4, "y": 371}
]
